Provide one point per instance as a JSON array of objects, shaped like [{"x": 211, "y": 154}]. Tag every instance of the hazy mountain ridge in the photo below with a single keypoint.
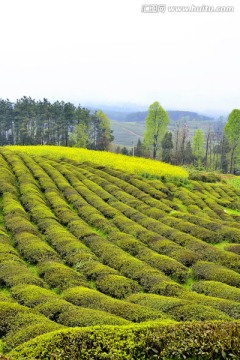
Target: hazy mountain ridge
[
  {"x": 132, "y": 115},
  {"x": 173, "y": 115}
]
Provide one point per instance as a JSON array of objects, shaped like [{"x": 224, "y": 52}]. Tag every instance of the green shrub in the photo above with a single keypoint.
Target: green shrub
[
  {"x": 12, "y": 207},
  {"x": 32, "y": 295},
  {"x": 204, "y": 177},
  {"x": 195, "y": 312},
  {"x": 93, "y": 269},
  {"x": 6, "y": 248},
  {"x": 25, "y": 326},
  {"x": 6, "y": 256},
  {"x": 15, "y": 272},
  {"x": 232, "y": 308},
  {"x": 197, "y": 340},
  {"x": 149, "y": 278},
  {"x": 178, "y": 309},
  {"x": 235, "y": 248},
  {"x": 53, "y": 307},
  {"x": 95, "y": 300},
  {"x": 60, "y": 276},
  {"x": 8, "y": 311},
  {"x": 167, "y": 265},
  {"x": 65, "y": 243},
  {"x": 5, "y": 296},
  {"x": 33, "y": 249},
  {"x": 80, "y": 316},
  {"x": 17, "y": 224},
  {"x": 189, "y": 228},
  {"x": 13, "y": 317},
  {"x": 211, "y": 271},
  {"x": 117, "y": 286},
  {"x": 7, "y": 178},
  {"x": 217, "y": 289}
]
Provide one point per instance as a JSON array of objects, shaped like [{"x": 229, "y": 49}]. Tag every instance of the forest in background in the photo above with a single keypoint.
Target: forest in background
[
  {"x": 211, "y": 145},
  {"x": 40, "y": 122}
]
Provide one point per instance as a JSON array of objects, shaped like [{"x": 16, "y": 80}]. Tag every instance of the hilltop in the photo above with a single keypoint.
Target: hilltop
[{"x": 105, "y": 256}]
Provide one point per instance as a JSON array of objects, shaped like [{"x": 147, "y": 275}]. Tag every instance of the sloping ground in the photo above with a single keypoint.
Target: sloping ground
[
  {"x": 134, "y": 165},
  {"x": 82, "y": 244}
]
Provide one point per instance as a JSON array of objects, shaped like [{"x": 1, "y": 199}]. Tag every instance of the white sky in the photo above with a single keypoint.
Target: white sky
[{"x": 106, "y": 51}]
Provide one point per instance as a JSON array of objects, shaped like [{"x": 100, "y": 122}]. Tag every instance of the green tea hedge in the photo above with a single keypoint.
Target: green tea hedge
[{"x": 198, "y": 340}]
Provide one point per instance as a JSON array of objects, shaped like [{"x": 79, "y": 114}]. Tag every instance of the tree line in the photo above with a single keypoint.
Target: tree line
[
  {"x": 32, "y": 122},
  {"x": 218, "y": 148}
]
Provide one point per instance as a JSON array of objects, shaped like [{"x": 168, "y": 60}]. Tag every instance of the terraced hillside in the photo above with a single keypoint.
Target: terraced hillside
[{"x": 152, "y": 263}]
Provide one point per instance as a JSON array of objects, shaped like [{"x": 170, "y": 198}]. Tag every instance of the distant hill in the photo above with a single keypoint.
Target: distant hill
[
  {"x": 173, "y": 115},
  {"x": 129, "y": 113}
]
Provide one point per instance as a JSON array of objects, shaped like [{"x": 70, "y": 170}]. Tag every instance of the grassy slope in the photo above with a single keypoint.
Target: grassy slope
[
  {"x": 127, "y": 132},
  {"x": 122, "y": 162},
  {"x": 128, "y": 249}
]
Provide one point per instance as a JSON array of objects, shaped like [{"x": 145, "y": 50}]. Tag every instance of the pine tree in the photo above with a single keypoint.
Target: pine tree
[{"x": 167, "y": 146}]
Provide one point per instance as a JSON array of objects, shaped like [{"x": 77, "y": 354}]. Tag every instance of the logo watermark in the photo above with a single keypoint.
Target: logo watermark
[
  {"x": 153, "y": 8},
  {"x": 162, "y": 8}
]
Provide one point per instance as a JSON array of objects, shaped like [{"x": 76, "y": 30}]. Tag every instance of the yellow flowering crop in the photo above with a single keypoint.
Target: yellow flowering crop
[{"x": 117, "y": 161}]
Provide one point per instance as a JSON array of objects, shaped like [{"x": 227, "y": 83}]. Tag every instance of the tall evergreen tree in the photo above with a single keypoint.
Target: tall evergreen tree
[
  {"x": 167, "y": 146},
  {"x": 232, "y": 132},
  {"x": 100, "y": 134},
  {"x": 188, "y": 154},
  {"x": 139, "y": 149}
]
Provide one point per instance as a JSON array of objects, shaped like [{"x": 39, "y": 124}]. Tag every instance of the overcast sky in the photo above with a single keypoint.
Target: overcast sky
[{"x": 109, "y": 52}]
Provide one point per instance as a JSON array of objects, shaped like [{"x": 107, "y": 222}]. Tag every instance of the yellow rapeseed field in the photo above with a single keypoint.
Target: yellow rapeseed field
[{"x": 130, "y": 164}]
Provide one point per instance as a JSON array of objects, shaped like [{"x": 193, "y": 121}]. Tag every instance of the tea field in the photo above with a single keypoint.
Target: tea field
[{"x": 104, "y": 256}]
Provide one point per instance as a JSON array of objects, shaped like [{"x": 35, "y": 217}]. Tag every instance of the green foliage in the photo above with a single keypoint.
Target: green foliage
[
  {"x": 211, "y": 271},
  {"x": 116, "y": 286},
  {"x": 95, "y": 300},
  {"x": 78, "y": 137},
  {"x": 60, "y": 276},
  {"x": 29, "y": 121},
  {"x": 167, "y": 146},
  {"x": 149, "y": 278},
  {"x": 217, "y": 289},
  {"x": 198, "y": 146},
  {"x": 36, "y": 325},
  {"x": 31, "y": 295},
  {"x": 232, "y": 308},
  {"x": 80, "y": 316},
  {"x": 156, "y": 125},
  {"x": 167, "y": 265},
  {"x": 14, "y": 272},
  {"x": 235, "y": 248},
  {"x": 15, "y": 317},
  {"x": 178, "y": 309},
  {"x": 34, "y": 249},
  {"x": 206, "y": 341},
  {"x": 121, "y": 248},
  {"x": 232, "y": 132},
  {"x": 205, "y": 177},
  {"x": 100, "y": 133}
]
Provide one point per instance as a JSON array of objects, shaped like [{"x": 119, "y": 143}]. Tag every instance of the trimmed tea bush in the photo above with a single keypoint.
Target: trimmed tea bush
[
  {"x": 217, "y": 289},
  {"x": 117, "y": 286},
  {"x": 206, "y": 341},
  {"x": 210, "y": 271},
  {"x": 178, "y": 309},
  {"x": 60, "y": 276},
  {"x": 95, "y": 300}
]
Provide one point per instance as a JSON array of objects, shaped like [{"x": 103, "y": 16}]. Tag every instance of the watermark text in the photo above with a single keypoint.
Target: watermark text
[{"x": 162, "y": 8}]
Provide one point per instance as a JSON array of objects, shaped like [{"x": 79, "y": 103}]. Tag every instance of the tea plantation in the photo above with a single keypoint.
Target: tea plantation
[{"x": 99, "y": 262}]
